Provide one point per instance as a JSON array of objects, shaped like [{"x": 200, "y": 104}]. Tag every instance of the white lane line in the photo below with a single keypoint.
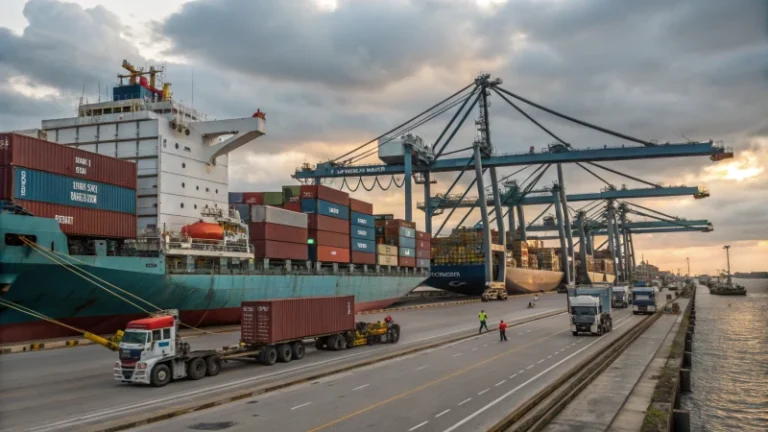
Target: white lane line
[
  {"x": 514, "y": 390},
  {"x": 580, "y": 341},
  {"x": 540, "y": 361},
  {"x": 423, "y": 367},
  {"x": 361, "y": 387},
  {"x": 527, "y": 331},
  {"x": 417, "y": 426},
  {"x": 485, "y": 345},
  {"x": 500, "y": 383},
  {"x": 483, "y": 392},
  {"x": 457, "y": 354},
  {"x": 464, "y": 401},
  {"x": 474, "y": 349},
  {"x": 519, "y": 334},
  {"x": 549, "y": 356},
  {"x": 443, "y": 413},
  {"x": 521, "y": 371},
  {"x": 529, "y": 366},
  {"x": 302, "y": 405}
]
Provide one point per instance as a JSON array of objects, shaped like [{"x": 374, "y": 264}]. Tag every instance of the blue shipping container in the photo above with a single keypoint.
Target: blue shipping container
[
  {"x": 360, "y": 219},
  {"x": 43, "y": 186},
  {"x": 235, "y": 197},
  {"x": 245, "y": 212},
  {"x": 407, "y": 242},
  {"x": 324, "y": 208},
  {"x": 422, "y": 263},
  {"x": 407, "y": 232},
  {"x": 407, "y": 252},
  {"x": 359, "y": 245},
  {"x": 362, "y": 233}
]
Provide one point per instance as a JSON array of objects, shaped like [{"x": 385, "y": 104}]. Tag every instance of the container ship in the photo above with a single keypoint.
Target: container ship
[
  {"x": 126, "y": 209},
  {"x": 458, "y": 265}
]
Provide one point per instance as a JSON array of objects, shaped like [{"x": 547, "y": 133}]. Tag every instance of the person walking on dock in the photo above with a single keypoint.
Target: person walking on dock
[
  {"x": 483, "y": 317},
  {"x": 502, "y": 331}
]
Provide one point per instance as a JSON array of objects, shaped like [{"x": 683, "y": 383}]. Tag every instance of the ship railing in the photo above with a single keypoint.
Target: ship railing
[
  {"x": 206, "y": 245},
  {"x": 300, "y": 268}
]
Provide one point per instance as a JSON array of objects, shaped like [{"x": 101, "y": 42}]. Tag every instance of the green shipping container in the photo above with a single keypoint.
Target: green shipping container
[
  {"x": 273, "y": 198},
  {"x": 291, "y": 192}
]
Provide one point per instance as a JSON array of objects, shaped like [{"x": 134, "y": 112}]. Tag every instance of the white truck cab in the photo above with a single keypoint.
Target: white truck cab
[
  {"x": 145, "y": 342},
  {"x": 621, "y": 296},
  {"x": 587, "y": 315}
]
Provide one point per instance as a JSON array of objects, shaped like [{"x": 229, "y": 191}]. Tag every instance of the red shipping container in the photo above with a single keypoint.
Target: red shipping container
[
  {"x": 331, "y": 254},
  {"x": 293, "y": 206},
  {"x": 284, "y": 320},
  {"x": 84, "y": 221},
  {"x": 421, "y": 235},
  {"x": 28, "y": 152},
  {"x": 424, "y": 245},
  {"x": 363, "y": 258},
  {"x": 327, "y": 223},
  {"x": 423, "y": 253},
  {"x": 399, "y": 223},
  {"x": 6, "y": 182},
  {"x": 282, "y": 233},
  {"x": 280, "y": 250},
  {"x": 327, "y": 238},
  {"x": 325, "y": 193},
  {"x": 360, "y": 206},
  {"x": 253, "y": 198},
  {"x": 406, "y": 262}
]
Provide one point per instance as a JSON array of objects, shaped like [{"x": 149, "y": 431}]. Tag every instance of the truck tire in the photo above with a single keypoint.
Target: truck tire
[
  {"x": 320, "y": 343},
  {"x": 394, "y": 333},
  {"x": 268, "y": 356},
  {"x": 213, "y": 365},
  {"x": 297, "y": 350},
  {"x": 161, "y": 375},
  {"x": 342, "y": 344},
  {"x": 350, "y": 340},
  {"x": 575, "y": 333},
  {"x": 196, "y": 368},
  {"x": 334, "y": 342},
  {"x": 284, "y": 353}
]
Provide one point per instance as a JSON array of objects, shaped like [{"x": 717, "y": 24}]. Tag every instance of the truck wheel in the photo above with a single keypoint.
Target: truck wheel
[
  {"x": 334, "y": 342},
  {"x": 196, "y": 369},
  {"x": 268, "y": 356},
  {"x": 213, "y": 365},
  {"x": 350, "y": 340},
  {"x": 297, "y": 350},
  {"x": 320, "y": 343},
  {"x": 394, "y": 334},
  {"x": 284, "y": 354},
  {"x": 342, "y": 343},
  {"x": 575, "y": 333},
  {"x": 161, "y": 375}
]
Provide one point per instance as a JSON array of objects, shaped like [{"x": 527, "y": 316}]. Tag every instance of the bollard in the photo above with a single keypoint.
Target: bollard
[
  {"x": 685, "y": 380},
  {"x": 682, "y": 420},
  {"x": 688, "y": 345},
  {"x": 687, "y": 361}
]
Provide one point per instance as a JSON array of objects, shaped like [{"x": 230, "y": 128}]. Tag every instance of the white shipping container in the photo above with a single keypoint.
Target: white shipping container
[
  {"x": 278, "y": 216},
  {"x": 387, "y": 260},
  {"x": 387, "y": 250}
]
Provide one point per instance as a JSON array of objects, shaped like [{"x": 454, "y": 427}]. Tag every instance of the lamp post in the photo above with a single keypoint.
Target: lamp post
[{"x": 728, "y": 257}]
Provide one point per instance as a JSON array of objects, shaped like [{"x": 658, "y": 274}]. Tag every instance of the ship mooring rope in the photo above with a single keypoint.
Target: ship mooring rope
[{"x": 28, "y": 311}]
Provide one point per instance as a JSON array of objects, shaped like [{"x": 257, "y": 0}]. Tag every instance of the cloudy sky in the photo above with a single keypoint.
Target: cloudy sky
[{"x": 331, "y": 74}]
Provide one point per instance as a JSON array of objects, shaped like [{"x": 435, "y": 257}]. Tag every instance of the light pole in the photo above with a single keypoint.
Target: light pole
[
  {"x": 728, "y": 257},
  {"x": 689, "y": 266}
]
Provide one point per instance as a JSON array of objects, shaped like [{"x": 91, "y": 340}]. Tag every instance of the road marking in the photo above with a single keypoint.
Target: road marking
[
  {"x": 483, "y": 391},
  {"x": 443, "y": 413},
  {"x": 302, "y": 405},
  {"x": 485, "y": 345},
  {"x": 540, "y": 361},
  {"x": 457, "y": 354},
  {"x": 362, "y": 386},
  {"x": 512, "y": 376},
  {"x": 417, "y": 426},
  {"x": 519, "y": 334},
  {"x": 528, "y": 331},
  {"x": 423, "y": 367},
  {"x": 580, "y": 341},
  {"x": 549, "y": 356},
  {"x": 464, "y": 401},
  {"x": 521, "y": 371},
  {"x": 474, "y": 349},
  {"x": 500, "y": 383},
  {"x": 529, "y": 366}
]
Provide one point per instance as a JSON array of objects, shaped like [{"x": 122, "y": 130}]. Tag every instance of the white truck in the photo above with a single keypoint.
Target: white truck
[
  {"x": 621, "y": 296},
  {"x": 590, "y": 309}
]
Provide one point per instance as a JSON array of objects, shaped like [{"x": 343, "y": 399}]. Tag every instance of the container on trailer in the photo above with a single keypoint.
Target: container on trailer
[
  {"x": 386, "y": 250},
  {"x": 273, "y": 198},
  {"x": 29, "y": 152},
  {"x": 293, "y": 206},
  {"x": 325, "y": 208},
  {"x": 327, "y": 223},
  {"x": 402, "y": 231},
  {"x": 293, "y": 191},
  {"x": 278, "y": 320},
  {"x": 383, "y": 217},
  {"x": 362, "y": 258},
  {"x": 362, "y": 233},
  {"x": 423, "y": 245},
  {"x": 276, "y": 232},
  {"x": 269, "y": 214},
  {"x": 280, "y": 250},
  {"x": 422, "y": 262},
  {"x": 328, "y": 238},
  {"x": 245, "y": 212},
  {"x": 423, "y": 253},
  {"x": 360, "y": 219},
  {"x": 325, "y": 193},
  {"x": 422, "y": 236},
  {"x": 253, "y": 198},
  {"x": 368, "y": 246},
  {"x": 363, "y": 207},
  {"x": 79, "y": 221},
  {"x": 406, "y": 262},
  {"x": 328, "y": 254},
  {"x": 406, "y": 252},
  {"x": 235, "y": 197},
  {"x": 387, "y": 260},
  {"x": 41, "y": 186}
]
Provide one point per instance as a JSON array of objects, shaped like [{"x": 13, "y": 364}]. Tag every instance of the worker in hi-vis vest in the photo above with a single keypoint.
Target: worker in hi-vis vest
[{"x": 483, "y": 318}]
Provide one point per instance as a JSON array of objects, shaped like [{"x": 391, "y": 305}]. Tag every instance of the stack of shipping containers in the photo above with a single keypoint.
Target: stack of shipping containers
[
  {"x": 401, "y": 233},
  {"x": 362, "y": 232},
  {"x": 278, "y": 233},
  {"x": 423, "y": 249},
  {"x": 292, "y": 198},
  {"x": 520, "y": 253},
  {"x": 89, "y": 194},
  {"x": 328, "y": 211}
]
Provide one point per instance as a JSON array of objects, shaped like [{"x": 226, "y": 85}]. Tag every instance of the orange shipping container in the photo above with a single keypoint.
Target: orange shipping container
[
  {"x": 328, "y": 254},
  {"x": 407, "y": 262},
  {"x": 360, "y": 206}
]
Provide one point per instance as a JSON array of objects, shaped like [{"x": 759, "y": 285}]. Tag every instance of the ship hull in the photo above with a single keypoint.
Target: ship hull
[{"x": 470, "y": 279}]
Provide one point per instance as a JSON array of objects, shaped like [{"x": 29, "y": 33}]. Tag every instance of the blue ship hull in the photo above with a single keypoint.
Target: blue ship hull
[{"x": 28, "y": 278}]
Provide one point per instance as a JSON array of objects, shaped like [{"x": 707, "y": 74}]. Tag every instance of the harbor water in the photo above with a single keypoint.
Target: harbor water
[{"x": 729, "y": 376}]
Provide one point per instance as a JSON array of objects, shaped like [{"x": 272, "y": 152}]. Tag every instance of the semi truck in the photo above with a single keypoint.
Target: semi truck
[
  {"x": 590, "y": 310},
  {"x": 152, "y": 351},
  {"x": 621, "y": 296},
  {"x": 643, "y": 300}
]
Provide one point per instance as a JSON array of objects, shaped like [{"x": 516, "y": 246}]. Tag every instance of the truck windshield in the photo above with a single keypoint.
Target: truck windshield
[
  {"x": 135, "y": 337},
  {"x": 584, "y": 310},
  {"x": 618, "y": 295}
]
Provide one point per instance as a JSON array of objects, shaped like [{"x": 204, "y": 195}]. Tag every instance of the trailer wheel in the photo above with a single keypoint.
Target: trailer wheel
[
  {"x": 350, "y": 340},
  {"x": 394, "y": 334},
  {"x": 213, "y": 365},
  {"x": 575, "y": 333},
  {"x": 342, "y": 343},
  {"x": 284, "y": 354},
  {"x": 334, "y": 342},
  {"x": 268, "y": 356},
  {"x": 320, "y": 343},
  {"x": 196, "y": 368},
  {"x": 297, "y": 350},
  {"x": 161, "y": 375}
]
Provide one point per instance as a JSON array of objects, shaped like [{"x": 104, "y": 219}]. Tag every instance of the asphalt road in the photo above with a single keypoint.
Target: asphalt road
[
  {"x": 464, "y": 386},
  {"x": 66, "y": 388}
]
